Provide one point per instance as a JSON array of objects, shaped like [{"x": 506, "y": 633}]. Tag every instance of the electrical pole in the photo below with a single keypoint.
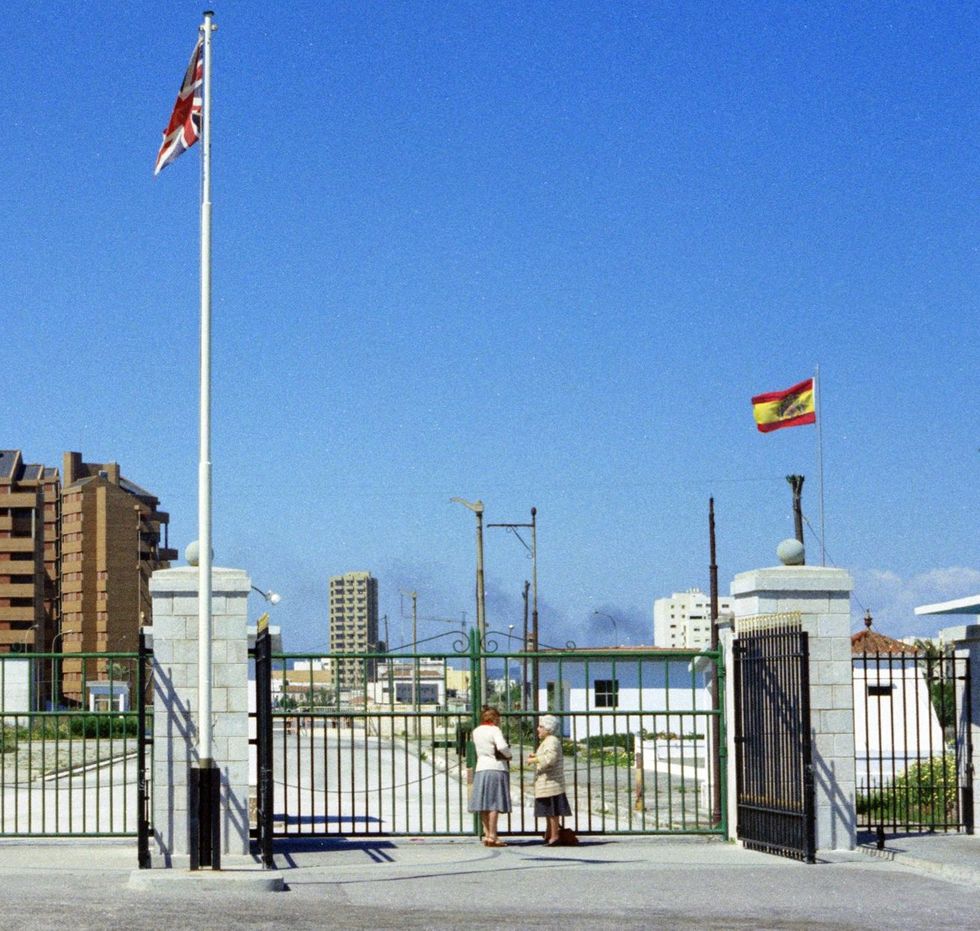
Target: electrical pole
[
  {"x": 533, "y": 550},
  {"x": 715, "y": 693},
  {"x": 415, "y": 647},
  {"x": 524, "y": 682}
]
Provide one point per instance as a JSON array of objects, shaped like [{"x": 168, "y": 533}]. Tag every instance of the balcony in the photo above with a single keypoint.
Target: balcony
[
  {"x": 19, "y": 638},
  {"x": 17, "y": 590},
  {"x": 19, "y": 499},
  {"x": 16, "y": 545},
  {"x": 16, "y": 614}
]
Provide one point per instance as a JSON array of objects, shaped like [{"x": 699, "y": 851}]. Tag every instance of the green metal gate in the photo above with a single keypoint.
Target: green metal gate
[
  {"x": 378, "y": 744},
  {"x": 74, "y": 741}
]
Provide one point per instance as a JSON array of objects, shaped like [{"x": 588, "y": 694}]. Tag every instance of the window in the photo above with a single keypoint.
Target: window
[{"x": 606, "y": 693}]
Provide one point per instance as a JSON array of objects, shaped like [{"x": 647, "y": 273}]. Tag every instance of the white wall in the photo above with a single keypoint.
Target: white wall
[
  {"x": 15, "y": 684},
  {"x": 894, "y": 730}
]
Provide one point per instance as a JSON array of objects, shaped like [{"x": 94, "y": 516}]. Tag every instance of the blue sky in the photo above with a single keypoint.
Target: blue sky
[{"x": 538, "y": 254}]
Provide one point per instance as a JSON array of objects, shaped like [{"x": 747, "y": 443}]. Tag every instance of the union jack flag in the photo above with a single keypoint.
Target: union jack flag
[{"x": 184, "y": 127}]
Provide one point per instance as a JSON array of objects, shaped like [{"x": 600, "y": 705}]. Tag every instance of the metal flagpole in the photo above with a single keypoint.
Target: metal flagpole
[
  {"x": 819, "y": 415},
  {"x": 208, "y": 852}
]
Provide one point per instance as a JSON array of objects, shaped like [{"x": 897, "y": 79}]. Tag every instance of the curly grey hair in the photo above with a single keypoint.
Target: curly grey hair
[{"x": 549, "y": 722}]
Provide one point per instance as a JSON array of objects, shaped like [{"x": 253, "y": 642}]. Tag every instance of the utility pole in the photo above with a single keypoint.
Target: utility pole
[
  {"x": 481, "y": 619},
  {"x": 533, "y": 550},
  {"x": 534, "y": 585},
  {"x": 415, "y": 647},
  {"x": 715, "y": 692},
  {"x": 524, "y": 682}
]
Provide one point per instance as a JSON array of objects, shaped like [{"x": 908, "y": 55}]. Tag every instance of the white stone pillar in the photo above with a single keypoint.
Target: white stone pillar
[
  {"x": 175, "y": 707},
  {"x": 822, "y": 596},
  {"x": 968, "y": 648},
  {"x": 726, "y": 641}
]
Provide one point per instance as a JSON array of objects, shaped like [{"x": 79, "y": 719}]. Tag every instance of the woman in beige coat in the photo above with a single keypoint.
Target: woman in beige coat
[{"x": 550, "y": 801}]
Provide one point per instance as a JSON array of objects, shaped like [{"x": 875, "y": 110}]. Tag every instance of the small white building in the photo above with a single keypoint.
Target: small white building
[
  {"x": 107, "y": 695},
  {"x": 16, "y": 684},
  {"x": 665, "y": 703},
  {"x": 895, "y": 724},
  {"x": 397, "y": 679}
]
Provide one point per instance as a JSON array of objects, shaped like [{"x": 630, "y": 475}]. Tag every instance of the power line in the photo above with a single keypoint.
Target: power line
[{"x": 832, "y": 562}]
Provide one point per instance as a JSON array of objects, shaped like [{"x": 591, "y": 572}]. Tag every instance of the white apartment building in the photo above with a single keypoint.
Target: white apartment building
[
  {"x": 354, "y": 624},
  {"x": 684, "y": 619}
]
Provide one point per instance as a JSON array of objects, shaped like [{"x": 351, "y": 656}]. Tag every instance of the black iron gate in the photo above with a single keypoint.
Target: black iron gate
[
  {"x": 144, "y": 714},
  {"x": 774, "y": 759},
  {"x": 263, "y": 742}
]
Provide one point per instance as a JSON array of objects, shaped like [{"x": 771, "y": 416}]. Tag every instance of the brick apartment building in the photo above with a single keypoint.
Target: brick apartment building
[
  {"x": 92, "y": 538},
  {"x": 29, "y": 554}
]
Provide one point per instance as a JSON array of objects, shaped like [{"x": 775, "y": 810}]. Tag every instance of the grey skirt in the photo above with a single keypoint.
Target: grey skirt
[
  {"x": 491, "y": 791},
  {"x": 552, "y": 806}
]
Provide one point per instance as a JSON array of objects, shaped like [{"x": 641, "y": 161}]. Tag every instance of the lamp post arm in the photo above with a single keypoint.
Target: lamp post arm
[{"x": 270, "y": 596}]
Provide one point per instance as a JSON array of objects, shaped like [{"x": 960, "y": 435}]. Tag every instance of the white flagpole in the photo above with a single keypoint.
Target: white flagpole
[
  {"x": 204, "y": 746},
  {"x": 819, "y": 415}
]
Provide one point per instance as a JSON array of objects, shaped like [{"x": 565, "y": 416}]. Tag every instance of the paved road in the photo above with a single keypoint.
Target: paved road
[
  {"x": 346, "y": 782},
  {"x": 96, "y": 798},
  {"x": 617, "y": 883}
]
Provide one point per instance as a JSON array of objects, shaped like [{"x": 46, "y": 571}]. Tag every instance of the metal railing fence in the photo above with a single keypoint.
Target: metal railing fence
[
  {"x": 73, "y": 738},
  {"x": 913, "y": 743}
]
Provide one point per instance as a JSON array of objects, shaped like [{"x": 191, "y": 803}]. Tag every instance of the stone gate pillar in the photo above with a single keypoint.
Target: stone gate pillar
[
  {"x": 822, "y": 597},
  {"x": 175, "y": 707}
]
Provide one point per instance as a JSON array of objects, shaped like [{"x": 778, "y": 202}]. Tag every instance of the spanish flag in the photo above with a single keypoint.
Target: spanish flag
[{"x": 790, "y": 408}]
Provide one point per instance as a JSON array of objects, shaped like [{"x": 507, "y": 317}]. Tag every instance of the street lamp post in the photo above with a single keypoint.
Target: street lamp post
[
  {"x": 56, "y": 672},
  {"x": 524, "y": 682},
  {"x": 32, "y": 671},
  {"x": 481, "y": 622},
  {"x": 510, "y": 637},
  {"x": 139, "y": 564},
  {"x": 27, "y": 636},
  {"x": 611, "y": 618},
  {"x": 533, "y": 550}
]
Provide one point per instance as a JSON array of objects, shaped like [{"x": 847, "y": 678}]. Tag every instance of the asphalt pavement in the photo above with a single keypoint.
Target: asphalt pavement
[{"x": 605, "y": 882}]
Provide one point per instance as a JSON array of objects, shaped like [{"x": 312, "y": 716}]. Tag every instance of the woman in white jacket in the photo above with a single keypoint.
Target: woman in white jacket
[{"x": 491, "y": 779}]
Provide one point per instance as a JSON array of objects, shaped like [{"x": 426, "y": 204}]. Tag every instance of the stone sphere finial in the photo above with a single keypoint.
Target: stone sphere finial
[
  {"x": 791, "y": 552},
  {"x": 192, "y": 553}
]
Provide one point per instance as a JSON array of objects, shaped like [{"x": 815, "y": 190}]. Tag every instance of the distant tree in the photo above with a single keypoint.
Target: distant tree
[{"x": 942, "y": 689}]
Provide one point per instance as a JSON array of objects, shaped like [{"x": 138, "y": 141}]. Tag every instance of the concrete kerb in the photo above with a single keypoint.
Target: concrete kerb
[
  {"x": 953, "y": 857},
  {"x": 246, "y": 876}
]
